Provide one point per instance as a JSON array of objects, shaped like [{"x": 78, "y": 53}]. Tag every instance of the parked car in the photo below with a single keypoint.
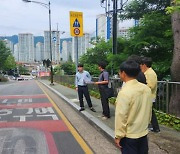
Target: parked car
[
  {"x": 6, "y": 76},
  {"x": 20, "y": 78}
]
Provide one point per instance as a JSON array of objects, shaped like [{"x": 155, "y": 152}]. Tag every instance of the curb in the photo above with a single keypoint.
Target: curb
[{"x": 108, "y": 132}]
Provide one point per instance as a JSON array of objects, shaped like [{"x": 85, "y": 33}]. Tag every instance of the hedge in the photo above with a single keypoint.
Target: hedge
[{"x": 163, "y": 118}]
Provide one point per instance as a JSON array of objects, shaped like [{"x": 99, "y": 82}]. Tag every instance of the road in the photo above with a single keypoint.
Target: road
[{"x": 32, "y": 122}]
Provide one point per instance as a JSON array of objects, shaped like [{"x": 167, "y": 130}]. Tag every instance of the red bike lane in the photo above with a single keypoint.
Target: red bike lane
[{"x": 33, "y": 123}]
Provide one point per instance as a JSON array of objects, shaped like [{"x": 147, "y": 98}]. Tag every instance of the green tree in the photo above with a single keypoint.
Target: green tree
[
  {"x": 136, "y": 9},
  {"x": 114, "y": 61},
  {"x": 69, "y": 68},
  {"x": 4, "y": 53},
  {"x": 23, "y": 70},
  {"x": 58, "y": 70},
  {"x": 46, "y": 63},
  {"x": 70, "y": 58},
  {"x": 92, "y": 69},
  {"x": 95, "y": 55},
  {"x": 175, "y": 66},
  {"x": 9, "y": 63},
  {"x": 174, "y": 8},
  {"x": 98, "y": 53},
  {"x": 153, "y": 38},
  {"x": 175, "y": 11}
]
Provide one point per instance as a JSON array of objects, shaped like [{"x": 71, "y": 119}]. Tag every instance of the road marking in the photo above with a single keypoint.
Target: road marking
[
  {"x": 4, "y": 112},
  {"x": 23, "y": 117},
  {"x": 43, "y": 110},
  {"x": 54, "y": 117},
  {"x": 24, "y": 106},
  {"x": 22, "y": 96},
  {"x": 78, "y": 138},
  {"x": 19, "y": 100},
  {"x": 45, "y": 125},
  {"x": 43, "y": 113},
  {"x": 5, "y": 101},
  {"x": 30, "y": 111}
]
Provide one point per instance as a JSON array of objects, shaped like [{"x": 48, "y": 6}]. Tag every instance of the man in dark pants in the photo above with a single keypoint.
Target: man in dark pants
[
  {"x": 151, "y": 79},
  {"x": 133, "y": 111},
  {"x": 103, "y": 84},
  {"x": 81, "y": 80}
]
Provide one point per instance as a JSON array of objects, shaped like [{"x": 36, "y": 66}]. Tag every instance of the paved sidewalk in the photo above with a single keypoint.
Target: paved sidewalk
[{"x": 167, "y": 141}]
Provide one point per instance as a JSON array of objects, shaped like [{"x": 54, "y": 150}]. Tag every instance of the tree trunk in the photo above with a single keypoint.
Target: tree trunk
[
  {"x": 175, "y": 67},
  {"x": 174, "y": 106}
]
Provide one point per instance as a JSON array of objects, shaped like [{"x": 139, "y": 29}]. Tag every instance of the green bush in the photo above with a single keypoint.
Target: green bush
[
  {"x": 163, "y": 118},
  {"x": 168, "y": 120},
  {"x": 3, "y": 79}
]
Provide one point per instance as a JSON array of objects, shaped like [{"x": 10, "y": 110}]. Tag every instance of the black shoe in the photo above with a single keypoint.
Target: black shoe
[
  {"x": 92, "y": 109},
  {"x": 81, "y": 109},
  {"x": 156, "y": 131}
]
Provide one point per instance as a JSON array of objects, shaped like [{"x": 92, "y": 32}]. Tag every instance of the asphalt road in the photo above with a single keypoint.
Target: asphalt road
[
  {"x": 31, "y": 123},
  {"x": 33, "y": 120}
]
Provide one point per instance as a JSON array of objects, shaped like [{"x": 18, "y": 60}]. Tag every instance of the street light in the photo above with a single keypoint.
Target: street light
[{"x": 49, "y": 8}]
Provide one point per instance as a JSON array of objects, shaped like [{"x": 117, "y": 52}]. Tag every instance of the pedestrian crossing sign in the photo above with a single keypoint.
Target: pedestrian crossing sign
[{"x": 76, "y": 23}]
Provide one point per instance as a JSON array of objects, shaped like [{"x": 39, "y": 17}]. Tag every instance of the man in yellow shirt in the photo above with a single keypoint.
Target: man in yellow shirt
[
  {"x": 133, "y": 111},
  {"x": 151, "y": 80}
]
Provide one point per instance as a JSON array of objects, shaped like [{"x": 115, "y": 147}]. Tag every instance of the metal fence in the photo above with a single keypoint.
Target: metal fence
[
  {"x": 70, "y": 79},
  {"x": 164, "y": 91}
]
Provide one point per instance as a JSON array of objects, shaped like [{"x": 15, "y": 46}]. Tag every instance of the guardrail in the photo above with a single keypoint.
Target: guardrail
[
  {"x": 70, "y": 79},
  {"x": 164, "y": 91}
]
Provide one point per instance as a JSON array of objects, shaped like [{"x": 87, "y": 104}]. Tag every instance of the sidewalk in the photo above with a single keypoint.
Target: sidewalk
[{"x": 167, "y": 141}]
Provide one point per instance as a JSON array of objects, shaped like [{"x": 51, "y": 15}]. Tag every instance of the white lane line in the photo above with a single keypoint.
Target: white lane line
[
  {"x": 5, "y": 101},
  {"x": 54, "y": 117},
  {"x": 19, "y": 100}
]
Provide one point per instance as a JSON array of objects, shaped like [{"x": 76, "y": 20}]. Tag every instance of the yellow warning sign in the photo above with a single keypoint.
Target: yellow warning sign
[{"x": 76, "y": 23}]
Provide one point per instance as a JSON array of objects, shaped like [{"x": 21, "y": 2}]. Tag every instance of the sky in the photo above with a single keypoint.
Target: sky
[{"x": 17, "y": 16}]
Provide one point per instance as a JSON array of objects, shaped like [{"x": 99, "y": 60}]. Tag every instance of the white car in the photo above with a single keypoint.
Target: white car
[{"x": 20, "y": 78}]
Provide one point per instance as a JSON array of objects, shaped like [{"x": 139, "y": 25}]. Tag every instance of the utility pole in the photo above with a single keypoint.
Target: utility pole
[
  {"x": 57, "y": 45},
  {"x": 47, "y": 6},
  {"x": 112, "y": 9},
  {"x": 115, "y": 27}
]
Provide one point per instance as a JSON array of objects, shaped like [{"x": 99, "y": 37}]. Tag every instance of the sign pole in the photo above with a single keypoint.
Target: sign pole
[{"x": 76, "y": 38}]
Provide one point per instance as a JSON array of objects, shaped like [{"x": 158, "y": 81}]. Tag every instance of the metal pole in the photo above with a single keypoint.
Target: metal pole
[
  {"x": 76, "y": 38},
  {"x": 57, "y": 46},
  {"x": 50, "y": 44},
  {"x": 114, "y": 26},
  {"x": 167, "y": 96}
]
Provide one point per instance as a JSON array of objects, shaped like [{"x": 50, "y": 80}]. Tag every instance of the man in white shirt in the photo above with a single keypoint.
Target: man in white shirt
[{"x": 81, "y": 80}]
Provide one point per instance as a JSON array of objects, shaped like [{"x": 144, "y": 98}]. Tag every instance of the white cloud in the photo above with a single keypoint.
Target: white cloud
[{"x": 17, "y": 16}]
